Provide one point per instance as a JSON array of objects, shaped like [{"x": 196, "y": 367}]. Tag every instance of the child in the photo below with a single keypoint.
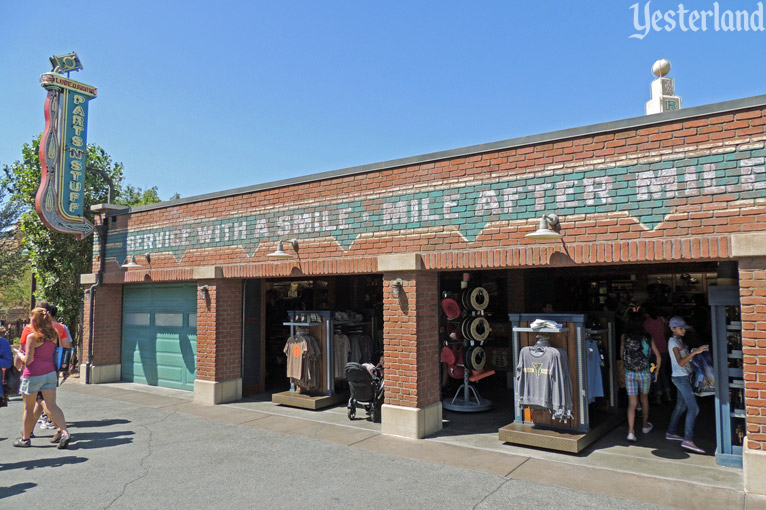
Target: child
[
  {"x": 680, "y": 358},
  {"x": 635, "y": 345}
]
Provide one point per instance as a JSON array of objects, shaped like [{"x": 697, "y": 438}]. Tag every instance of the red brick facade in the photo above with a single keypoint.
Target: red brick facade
[
  {"x": 411, "y": 340},
  {"x": 107, "y": 331},
  {"x": 219, "y": 330},
  {"x": 752, "y": 281},
  {"x": 695, "y": 222}
]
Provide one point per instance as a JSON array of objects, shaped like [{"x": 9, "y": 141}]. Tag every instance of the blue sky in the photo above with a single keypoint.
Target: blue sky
[{"x": 197, "y": 97}]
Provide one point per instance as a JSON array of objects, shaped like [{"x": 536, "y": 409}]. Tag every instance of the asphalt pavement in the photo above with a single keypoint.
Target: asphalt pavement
[{"x": 133, "y": 450}]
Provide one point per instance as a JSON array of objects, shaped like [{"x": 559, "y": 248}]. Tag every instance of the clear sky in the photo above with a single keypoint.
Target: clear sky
[{"x": 202, "y": 96}]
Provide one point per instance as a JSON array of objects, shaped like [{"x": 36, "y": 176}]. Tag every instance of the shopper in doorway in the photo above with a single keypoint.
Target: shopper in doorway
[
  {"x": 40, "y": 375},
  {"x": 656, "y": 325},
  {"x": 680, "y": 358},
  {"x": 635, "y": 346}
]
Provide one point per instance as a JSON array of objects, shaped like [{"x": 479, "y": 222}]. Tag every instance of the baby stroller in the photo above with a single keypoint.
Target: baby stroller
[{"x": 366, "y": 390}]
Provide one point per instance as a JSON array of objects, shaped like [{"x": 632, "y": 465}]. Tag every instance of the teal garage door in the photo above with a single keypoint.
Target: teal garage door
[{"x": 159, "y": 335}]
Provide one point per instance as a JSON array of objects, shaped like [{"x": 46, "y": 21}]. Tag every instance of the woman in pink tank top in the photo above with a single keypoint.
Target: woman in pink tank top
[{"x": 40, "y": 375}]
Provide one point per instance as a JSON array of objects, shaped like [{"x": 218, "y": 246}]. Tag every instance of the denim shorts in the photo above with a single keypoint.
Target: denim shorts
[{"x": 30, "y": 385}]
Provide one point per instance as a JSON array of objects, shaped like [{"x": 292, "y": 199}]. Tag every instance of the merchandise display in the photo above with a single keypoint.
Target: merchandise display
[
  {"x": 463, "y": 353},
  {"x": 543, "y": 380}
]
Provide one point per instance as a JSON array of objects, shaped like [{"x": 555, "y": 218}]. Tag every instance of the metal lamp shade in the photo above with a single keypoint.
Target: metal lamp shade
[
  {"x": 279, "y": 253},
  {"x": 549, "y": 228},
  {"x": 131, "y": 262}
]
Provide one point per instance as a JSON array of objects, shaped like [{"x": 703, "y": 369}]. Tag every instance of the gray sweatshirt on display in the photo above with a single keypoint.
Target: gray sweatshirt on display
[{"x": 543, "y": 381}]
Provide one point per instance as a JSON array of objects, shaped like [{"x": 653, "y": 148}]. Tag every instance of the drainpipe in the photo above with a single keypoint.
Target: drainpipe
[{"x": 102, "y": 231}]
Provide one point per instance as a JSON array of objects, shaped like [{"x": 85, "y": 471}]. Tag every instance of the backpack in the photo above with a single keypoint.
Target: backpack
[{"x": 633, "y": 358}]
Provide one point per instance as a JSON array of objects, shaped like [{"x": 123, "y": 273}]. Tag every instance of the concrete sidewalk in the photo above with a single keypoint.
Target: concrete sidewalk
[
  {"x": 142, "y": 447},
  {"x": 612, "y": 469}
]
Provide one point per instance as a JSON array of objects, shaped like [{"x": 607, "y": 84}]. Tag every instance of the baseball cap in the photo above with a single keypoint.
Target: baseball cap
[{"x": 678, "y": 322}]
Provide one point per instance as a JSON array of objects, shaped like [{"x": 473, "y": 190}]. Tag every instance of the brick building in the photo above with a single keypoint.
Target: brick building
[{"x": 663, "y": 206}]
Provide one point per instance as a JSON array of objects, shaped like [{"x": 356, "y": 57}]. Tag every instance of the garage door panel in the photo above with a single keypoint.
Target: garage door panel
[
  {"x": 167, "y": 373},
  {"x": 159, "y": 335}
]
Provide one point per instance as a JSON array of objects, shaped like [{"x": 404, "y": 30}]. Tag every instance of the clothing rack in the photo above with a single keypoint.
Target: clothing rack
[
  {"x": 537, "y": 428},
  {"x": 320, "y": 326},
  {"x": 608, "y": 335}
]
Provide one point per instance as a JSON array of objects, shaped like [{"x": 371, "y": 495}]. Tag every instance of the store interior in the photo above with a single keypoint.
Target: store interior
[
  {"x": 353, "y": 306},
  {"x": 595, "y": 292}
]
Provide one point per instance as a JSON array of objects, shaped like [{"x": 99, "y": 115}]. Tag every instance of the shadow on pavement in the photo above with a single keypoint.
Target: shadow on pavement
[
  {"x": 13, "y": 490},
  {"x": 41, "y": 463},
  {"x": 90, "y": 440},
  {"x": 672, "y": 454},
  {"x": 97, "y": 423}
]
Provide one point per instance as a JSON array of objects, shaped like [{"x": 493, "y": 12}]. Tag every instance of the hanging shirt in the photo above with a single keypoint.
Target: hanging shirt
[
  {"x": 295, "y": 350},
  {"x": 341, "y": 353},
  {"x": 543, "y": 381},
  {"x": 593, "y": 366}
]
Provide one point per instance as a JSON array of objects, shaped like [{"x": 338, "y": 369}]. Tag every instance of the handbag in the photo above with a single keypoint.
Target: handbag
[
  {"x": 62, "y": 357},
  {"x": 11, "y": 381}
]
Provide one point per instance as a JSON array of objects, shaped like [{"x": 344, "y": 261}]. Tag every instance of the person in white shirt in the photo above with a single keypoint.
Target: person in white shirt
[{"x": 680, "y": 359}]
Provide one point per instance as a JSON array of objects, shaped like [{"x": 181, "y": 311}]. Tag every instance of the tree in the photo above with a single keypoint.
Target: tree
[
  {"x": 58, "y": 259},
  {"x": 135, "y": 196},
  {"x": 11, "y": 259}
]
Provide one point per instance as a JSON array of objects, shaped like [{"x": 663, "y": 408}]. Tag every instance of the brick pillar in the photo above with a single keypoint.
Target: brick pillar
[
  {"x": 752, "y": 276},
  {"x": 750, "y": 249},
  {"x": 219, "y": 341},
  {"x": 107, "y": 335},
  {"x": 411, "y": 343}
]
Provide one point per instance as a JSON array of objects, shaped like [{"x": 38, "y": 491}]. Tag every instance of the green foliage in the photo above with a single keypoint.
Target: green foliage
[
  {"x": 16, "y": 290},
  {"x": 133, "y": 196},
  {"x": 11, "y": 260},
  {"x": 58, "y": 259}
]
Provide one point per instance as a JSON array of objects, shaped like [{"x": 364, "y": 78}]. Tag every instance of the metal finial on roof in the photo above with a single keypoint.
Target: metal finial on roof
[{"x": 661, "y": 67}]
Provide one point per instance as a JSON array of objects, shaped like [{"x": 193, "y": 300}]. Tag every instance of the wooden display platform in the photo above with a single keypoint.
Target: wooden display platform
[
  {"x": 529, "y": 434},
  {"x": 298, "y": 399}
]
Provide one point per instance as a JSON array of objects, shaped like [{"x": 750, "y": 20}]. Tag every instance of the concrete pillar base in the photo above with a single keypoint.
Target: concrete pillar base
[
  {"x": 101, "y": 373},
  {"x": 412, "y": 422},
  {"x": 754, "y": 471},
  {"x": 217, "y": 392}
]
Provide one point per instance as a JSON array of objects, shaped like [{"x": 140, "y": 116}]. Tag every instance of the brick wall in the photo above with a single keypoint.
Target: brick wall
[
  {"x": 752, "y": 281},
  {"x": 107, "y": 332},
  {"x": 674, "y": 191},
  {"x": 219, "y": 330},
  {"x": 410, "y": 340},
  {"x": 699, "y": 178}
]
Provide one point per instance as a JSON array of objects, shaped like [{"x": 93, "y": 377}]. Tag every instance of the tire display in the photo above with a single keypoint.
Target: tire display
[
  {"x": 475, "y": 328},
  {"x": 475, "y": 298}
]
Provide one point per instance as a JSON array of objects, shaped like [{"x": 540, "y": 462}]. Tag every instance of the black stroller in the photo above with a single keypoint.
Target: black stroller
[{"x": 366, "y": 390}]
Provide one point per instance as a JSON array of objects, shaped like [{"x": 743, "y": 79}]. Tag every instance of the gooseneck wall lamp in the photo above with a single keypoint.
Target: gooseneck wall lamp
[
  {"x": 279, "y": 253},
  {"x": 130, "y": 263},
  {"x": 550, "y": 228},
  {"x": 396, "y": 287}
]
